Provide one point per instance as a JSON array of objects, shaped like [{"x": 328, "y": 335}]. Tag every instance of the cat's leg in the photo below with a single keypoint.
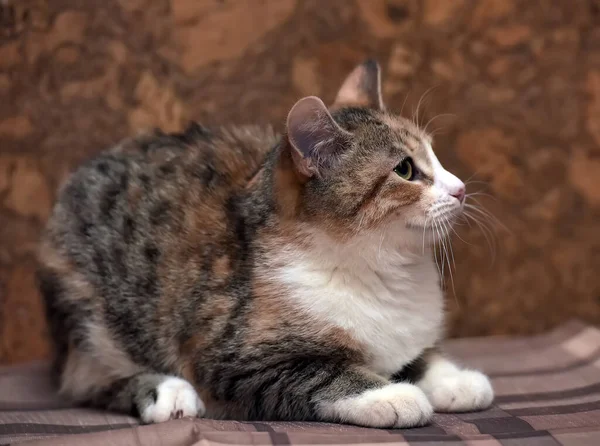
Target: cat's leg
[
  {"x": 319, "y": 391},
  {"x": 92, "y": 368},
  {"x": 399, "y": 405},
  {"x": 97, "y": 373},
  {"x": 448, "y": 387},
  {"x": 153, "y": 397},
  {"x": 452, "y": 389}
]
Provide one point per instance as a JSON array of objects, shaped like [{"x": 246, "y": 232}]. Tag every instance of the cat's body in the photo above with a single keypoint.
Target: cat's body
[{"x": 236, "y": 261}]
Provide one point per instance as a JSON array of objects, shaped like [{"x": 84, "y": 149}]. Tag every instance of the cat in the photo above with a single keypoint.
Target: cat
[{"x": 237, "y": 274}]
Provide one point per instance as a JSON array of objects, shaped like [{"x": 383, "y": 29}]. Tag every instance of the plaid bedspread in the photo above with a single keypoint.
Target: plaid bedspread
[{"x": 548, "y": 393}]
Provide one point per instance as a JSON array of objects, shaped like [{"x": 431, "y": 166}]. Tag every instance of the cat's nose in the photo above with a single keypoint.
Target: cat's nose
[{"x": 459, "y": 193}]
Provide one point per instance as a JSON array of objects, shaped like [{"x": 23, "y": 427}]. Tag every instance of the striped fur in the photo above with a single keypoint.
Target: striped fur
[{"x": 246, "y": 275}]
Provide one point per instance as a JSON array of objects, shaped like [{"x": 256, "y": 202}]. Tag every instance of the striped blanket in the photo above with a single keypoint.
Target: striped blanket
[{"x": 547, "y": 386}]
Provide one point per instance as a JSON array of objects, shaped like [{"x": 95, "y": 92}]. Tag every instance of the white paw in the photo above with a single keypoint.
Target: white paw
[
  {"x": 176, "y": 398},
  {"x": 463, "y": 391},
  {"x": 395, "y": 405}
]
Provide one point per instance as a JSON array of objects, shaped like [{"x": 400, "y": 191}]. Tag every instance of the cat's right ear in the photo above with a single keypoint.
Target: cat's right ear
[
  {"x": 362, "y": 88},
  {"x": 315, "y": 138}
]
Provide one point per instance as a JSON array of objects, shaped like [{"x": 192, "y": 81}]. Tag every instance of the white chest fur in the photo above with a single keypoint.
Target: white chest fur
[{"x": 389, "y": 302}]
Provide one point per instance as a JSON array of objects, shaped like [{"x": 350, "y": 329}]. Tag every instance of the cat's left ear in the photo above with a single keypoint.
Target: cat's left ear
[
  {"x": 315, "y": 138},
  {"x": 362, "y": 88}
]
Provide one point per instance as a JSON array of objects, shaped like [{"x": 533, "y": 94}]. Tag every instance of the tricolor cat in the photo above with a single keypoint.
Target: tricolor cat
[{"x": 235, "y": 273}]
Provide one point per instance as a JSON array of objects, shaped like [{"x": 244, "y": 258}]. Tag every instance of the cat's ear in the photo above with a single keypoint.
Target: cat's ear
[
  {"x": 362, "y": 88},
  {"x": 315, "y": 138}
]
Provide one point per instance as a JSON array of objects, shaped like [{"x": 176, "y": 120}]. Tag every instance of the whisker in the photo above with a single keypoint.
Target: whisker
[
  {"x": 482, "y": 194},
  {"x": 436, "y": 131},
  {"x": 442, "y": 251},
  {"x": 435, "y": 253},
  {"x": 404, "y": 102},
  {"x": 488, "y": 218},
  {"x": 487, "y": 214},
  {"x": 487, "y": 233},
  {"x": 480, "y": 209},
  {"x": 435, "y": 117},
  {"x": 443, "y": 242},
  {"x": 466, "y": 220},
  {"x": 474, "y": 174},
  {"x": 381, "y": 243},
  {"x": 469, "y": 182},
  {"x": 419, "y": 104},
  {"x": 449, "y": 244},
  {"x": 452, "y": 223},
  {"x": 446, "y": 223},
  {"x": 447, "y": 247},
  {"x": 362, "y": 217},
  {"x": 481, "y": 217},
  {"x": 484, "y": 230},
  {"x": 424, "y": 229},
  {"x": 457, "y": 234}
]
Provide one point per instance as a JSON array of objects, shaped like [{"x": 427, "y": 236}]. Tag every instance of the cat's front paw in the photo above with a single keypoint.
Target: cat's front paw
[
  {"x": 463, "y": 391},
  {"x": 395, "y": 405},
  {"x": 175, "y": 398}
]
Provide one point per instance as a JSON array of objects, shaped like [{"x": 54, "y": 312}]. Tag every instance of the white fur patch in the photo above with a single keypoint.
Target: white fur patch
[
  {"x": 451, "y": 389},
  {"x": 445, "y": 181},
  {"x": 176, "y": 399},
  {"x": 395, "y": 405},
  {"x": 388, "y": 300}
]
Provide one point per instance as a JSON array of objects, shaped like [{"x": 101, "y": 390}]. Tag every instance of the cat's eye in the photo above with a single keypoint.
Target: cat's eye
[{"x": 405, "y": 169}]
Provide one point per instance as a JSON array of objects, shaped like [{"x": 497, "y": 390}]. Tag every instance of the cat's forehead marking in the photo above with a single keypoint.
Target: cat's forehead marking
[
  {"x": 410, "y": 135},
  {"x": 412, "y": 144}
]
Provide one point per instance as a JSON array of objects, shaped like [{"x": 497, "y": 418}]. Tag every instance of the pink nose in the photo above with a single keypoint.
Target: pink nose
[{"x": 459, "y": 193}]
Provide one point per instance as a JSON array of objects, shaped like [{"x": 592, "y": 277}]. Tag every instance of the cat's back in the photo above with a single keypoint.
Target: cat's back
[
  {"x": 139, "y": 228},
  {"x": 155, "y": 194},
  {"x": 156, "y": 183}
]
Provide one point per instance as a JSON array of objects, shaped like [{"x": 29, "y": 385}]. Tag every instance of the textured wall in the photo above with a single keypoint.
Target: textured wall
[{"x": 520, "y": 78}]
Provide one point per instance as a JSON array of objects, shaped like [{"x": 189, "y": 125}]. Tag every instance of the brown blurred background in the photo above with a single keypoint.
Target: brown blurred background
[{"x": 520, "y": 78}]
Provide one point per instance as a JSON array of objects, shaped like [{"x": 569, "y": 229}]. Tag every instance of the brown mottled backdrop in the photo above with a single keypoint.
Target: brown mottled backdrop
[{"x": 521, "y": 80}]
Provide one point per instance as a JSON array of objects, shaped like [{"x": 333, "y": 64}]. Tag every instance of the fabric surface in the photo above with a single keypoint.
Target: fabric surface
[{"x": 547, "y": 387}]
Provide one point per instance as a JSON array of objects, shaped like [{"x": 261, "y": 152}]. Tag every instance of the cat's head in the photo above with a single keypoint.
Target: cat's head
[{"x": 363, "y": 168}]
